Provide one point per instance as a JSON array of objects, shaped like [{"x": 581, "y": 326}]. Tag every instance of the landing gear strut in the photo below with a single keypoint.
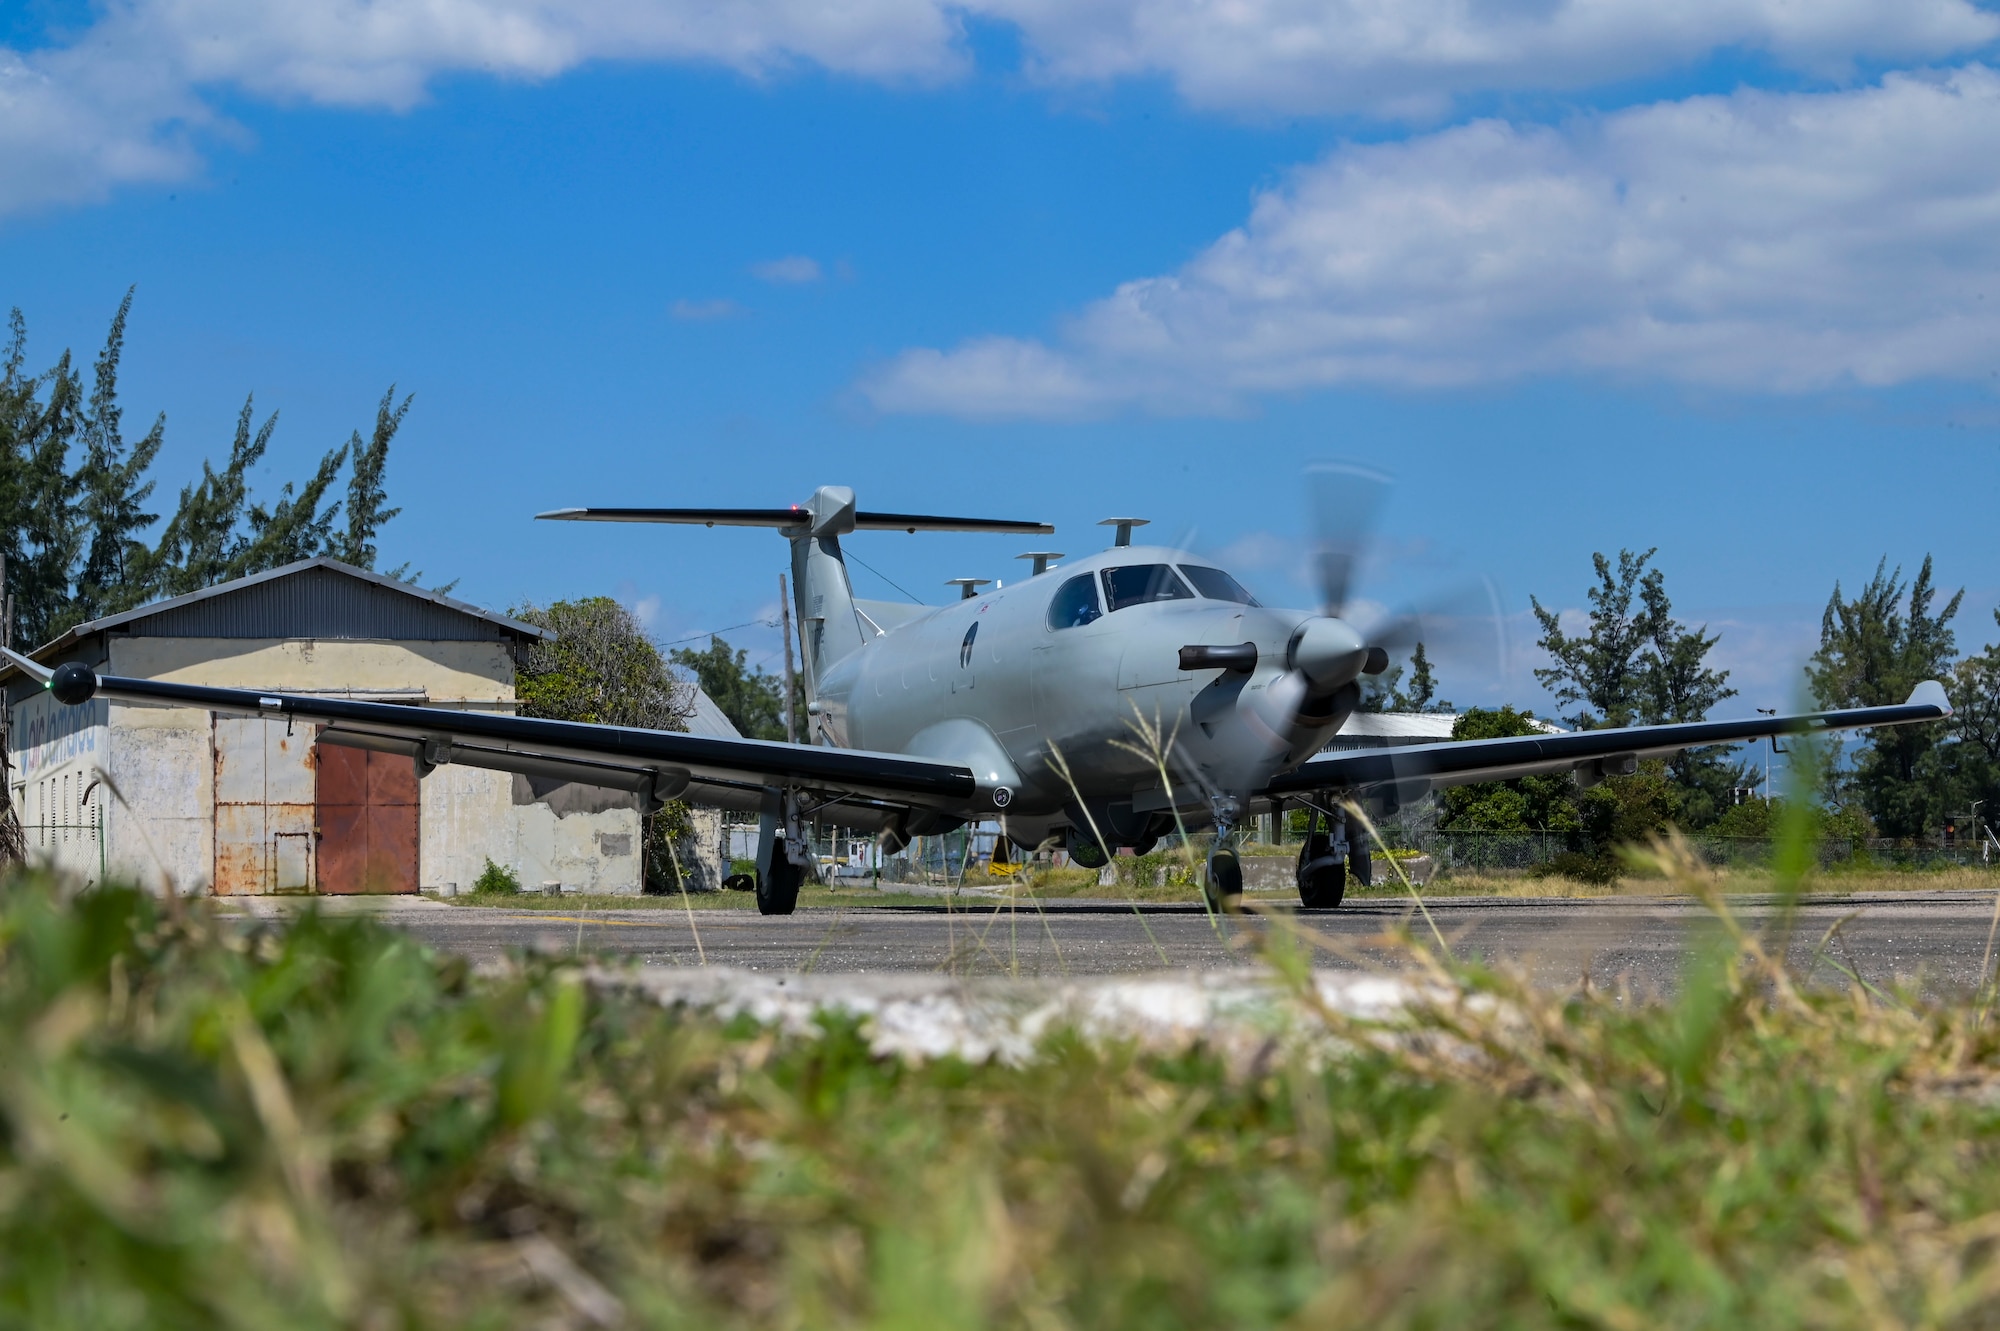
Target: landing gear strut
[
  {"x": 1324, "y": 862},
  {"x": 781, "y": 854},
  {"x": 1224, "y": 883}
]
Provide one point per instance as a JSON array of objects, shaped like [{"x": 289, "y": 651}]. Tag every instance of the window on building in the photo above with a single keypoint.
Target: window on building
[
  {"x": 1215, "y": 585},
  {"x": 1139, "y": 584},
  {"x": 1075, "y": 603}
]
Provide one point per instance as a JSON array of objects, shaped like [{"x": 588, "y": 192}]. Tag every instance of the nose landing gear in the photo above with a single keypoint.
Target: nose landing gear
[{"x": 1223, "y": 885}]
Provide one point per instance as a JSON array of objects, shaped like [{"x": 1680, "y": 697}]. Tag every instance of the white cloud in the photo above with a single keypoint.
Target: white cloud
[
  {"x": 1756, "y": 241},
  {"x": 705, "y": 311},
  {"x": 792, "y": 270},
  {"x": 116, "y": 105},
  {"x": 1417, "y": 56}
]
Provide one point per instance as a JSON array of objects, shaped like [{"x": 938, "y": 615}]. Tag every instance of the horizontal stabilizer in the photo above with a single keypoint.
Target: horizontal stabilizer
[{"x": 794, "y": 517}]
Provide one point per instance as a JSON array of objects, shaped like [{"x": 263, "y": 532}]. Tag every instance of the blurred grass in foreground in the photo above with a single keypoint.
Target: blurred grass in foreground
[{"x": 205, "y": 1123}]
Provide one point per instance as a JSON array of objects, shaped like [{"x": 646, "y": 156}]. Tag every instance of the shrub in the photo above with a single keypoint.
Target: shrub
[{"x": 495, "y": 880}]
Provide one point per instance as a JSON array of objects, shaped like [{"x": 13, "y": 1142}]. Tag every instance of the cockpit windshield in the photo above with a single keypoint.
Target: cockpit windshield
[
  {"x": 1138, "y": 584},
  {"x": 1215, "y": 585},
  {"x": 1075, "y": 603}
]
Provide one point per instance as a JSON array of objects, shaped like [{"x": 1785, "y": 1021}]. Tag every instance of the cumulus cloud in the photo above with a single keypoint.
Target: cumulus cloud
[
  {"x": 118, "y": 104},
  {"x": 1416, "y": 56},
  {"x": 792, "y": 270},
  {"x": 1757, "y": 241},
  {"x": 124, "y": 102}
]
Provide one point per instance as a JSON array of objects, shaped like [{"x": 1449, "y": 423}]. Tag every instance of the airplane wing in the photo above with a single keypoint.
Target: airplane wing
[
  {"x": 1591, "y": 753},
  {"x": 795, "y": 518},
  {"x": 658, "y": 764}
]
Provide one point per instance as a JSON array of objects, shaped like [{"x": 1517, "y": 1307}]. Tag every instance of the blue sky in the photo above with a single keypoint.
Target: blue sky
[{"x": 1581, "y": 281}]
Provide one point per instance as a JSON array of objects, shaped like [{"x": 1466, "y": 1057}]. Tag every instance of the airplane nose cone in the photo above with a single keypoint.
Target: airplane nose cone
[{"x": 1328, "y": 652}]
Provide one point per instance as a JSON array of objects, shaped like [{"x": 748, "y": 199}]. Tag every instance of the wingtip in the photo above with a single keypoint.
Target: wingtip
[
  {"x": 32, "y": 668},
  {"x": 560, "y": 514},
  {"x": 1930, "y": 693}
]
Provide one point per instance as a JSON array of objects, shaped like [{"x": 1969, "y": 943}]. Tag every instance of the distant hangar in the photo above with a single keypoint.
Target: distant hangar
[{"x": 185, "y": 799}]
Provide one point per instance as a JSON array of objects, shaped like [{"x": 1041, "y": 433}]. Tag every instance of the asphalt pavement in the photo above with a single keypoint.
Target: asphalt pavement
[{"x": 1939, "y": 939}]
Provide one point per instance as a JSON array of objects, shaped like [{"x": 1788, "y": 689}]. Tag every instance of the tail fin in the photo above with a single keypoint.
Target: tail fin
[
  {"x": 829, "y": 627},
  {"x": 822, "y": 595}
]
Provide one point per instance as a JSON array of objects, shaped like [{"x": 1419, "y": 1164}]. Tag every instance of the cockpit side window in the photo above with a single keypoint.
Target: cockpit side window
[
  {"x": 1215, "y": 585},
  {"x": 1139, "y": 584},
  {"x": 1075, "y": 603}
]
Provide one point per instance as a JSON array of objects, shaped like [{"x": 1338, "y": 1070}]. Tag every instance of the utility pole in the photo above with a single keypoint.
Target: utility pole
[
  {"x": 1770, "y": 741},
  {"x": 791, "y": 689}
]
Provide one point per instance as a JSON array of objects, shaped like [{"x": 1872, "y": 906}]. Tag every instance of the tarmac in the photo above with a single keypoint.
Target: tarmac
[{"x": 1940, "y": 941}]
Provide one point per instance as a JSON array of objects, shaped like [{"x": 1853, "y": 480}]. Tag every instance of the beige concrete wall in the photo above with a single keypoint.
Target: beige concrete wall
[
  {"x": 584, "y": 851},
  {"x": 703, "y": 857},
  {"x": 467, "y": 818},
  {"x": 446, "y": 671},
  {"x": 161, "y": 822}
]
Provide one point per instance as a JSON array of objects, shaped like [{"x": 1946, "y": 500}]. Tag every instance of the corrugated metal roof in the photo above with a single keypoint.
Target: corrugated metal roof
[
  {"x": 707, "y": 719},
  {"x": 314, "y": 598}
]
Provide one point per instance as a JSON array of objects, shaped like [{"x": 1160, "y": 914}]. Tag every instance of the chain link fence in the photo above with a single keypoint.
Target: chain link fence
[{"x": 1485, "y": 852}]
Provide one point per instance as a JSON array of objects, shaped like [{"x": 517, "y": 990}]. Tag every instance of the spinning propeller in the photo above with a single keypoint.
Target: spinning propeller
[{"x": 1329, "y": 653}]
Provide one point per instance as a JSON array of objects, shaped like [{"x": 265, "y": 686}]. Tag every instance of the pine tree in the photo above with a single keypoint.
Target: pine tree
[
  {"x": 1874, "y": 648},
  {"x": 74, "y": 492}
]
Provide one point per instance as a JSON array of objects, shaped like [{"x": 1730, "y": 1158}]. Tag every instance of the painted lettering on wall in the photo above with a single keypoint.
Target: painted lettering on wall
[{"x": 45, "y": 734}]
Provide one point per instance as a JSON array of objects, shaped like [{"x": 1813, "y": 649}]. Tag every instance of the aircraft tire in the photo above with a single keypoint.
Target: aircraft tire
[
  {"x": 778, "y": 893},
  {"x": 740, "y": 882},
  {"x": 1322, "y": 875},
  {"x": 1225, "y": 880},
  {"x": 1085, "y": 853}
]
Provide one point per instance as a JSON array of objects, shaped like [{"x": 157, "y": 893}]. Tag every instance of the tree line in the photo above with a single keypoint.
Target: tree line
[
  {"x": 76, "y": 496},
  {"x": 1634, "y": 663}
]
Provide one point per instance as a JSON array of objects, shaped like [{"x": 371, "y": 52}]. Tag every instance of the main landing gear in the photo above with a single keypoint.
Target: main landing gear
[
  {"x": 781, "y": 854},
  {"x": 1327, "y": 860}
]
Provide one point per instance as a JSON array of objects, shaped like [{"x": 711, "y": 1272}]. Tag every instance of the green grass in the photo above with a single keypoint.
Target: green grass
[{"x": 209, "y": 1123}]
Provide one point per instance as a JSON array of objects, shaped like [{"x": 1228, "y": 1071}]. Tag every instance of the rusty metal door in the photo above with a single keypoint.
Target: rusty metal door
[
  {"x": 367, "y": 821},
  {"x": 263, "y": 807}
]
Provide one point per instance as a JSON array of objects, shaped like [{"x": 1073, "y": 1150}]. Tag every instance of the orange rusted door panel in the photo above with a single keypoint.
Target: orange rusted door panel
[{"x": 367, "y": 821}]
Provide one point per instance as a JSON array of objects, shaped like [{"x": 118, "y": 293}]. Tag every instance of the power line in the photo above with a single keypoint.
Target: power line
[
  {"x": 880, "y": 574},
  {"x": 716, "y": 633}
]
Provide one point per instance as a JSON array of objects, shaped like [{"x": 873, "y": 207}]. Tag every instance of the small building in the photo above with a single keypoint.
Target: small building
[{"x": 184, "y": 800}]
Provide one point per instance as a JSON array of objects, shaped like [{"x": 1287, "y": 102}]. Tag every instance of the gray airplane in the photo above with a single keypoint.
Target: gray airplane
[{"x": 1096, "y": 705}]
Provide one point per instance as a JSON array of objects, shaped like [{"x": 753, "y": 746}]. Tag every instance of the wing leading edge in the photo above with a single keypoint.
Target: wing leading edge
[
  {"x": 659, "y": 763},
  {"x": 1592, "y": 752}
]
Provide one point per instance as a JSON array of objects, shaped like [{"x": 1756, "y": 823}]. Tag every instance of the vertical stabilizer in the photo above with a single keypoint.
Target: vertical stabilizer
[{"x": 829, "y": 627}]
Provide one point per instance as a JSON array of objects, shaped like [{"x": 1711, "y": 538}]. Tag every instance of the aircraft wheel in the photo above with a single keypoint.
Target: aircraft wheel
[
  {"x": 778, "y": 892},
  {"x": 1322, "y": 875},
  {"x": 1225, "y": 880},
  {"x": 740, "y": 882},
  {"x": 1084, "y": 852},
  {"x": 1144, "y": 844}
]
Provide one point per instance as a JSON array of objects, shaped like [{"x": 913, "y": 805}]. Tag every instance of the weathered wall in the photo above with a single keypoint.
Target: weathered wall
[
  {"x": 446, "y": 671},
  {"x": 466, "y": 814},
  {"x": 467, "y": 819},
  {"x": 583, "y": 837},
  {"x": 161, "y": 823},
  {"x": 56, "y": 756},
  {"x": 702, "y": 858}
]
